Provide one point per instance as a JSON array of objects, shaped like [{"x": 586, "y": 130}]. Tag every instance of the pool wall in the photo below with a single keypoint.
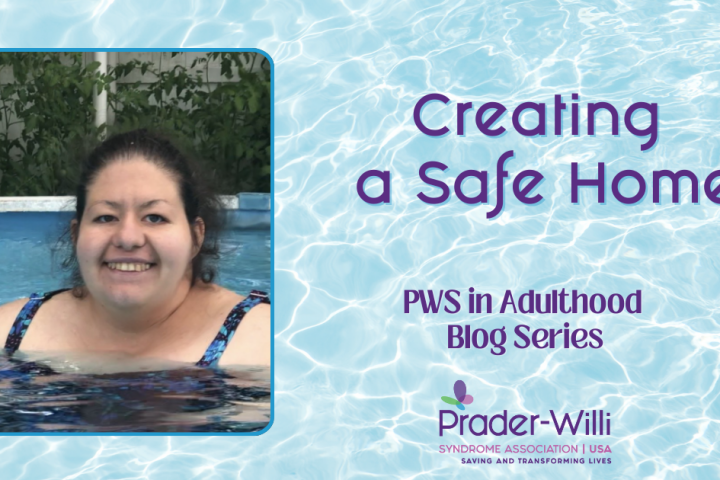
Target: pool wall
[{"x": 245, "y": 210}]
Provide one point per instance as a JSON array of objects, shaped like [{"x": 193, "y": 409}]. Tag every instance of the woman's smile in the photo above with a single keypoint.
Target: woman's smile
[
  {"x": 128, "y": 267},
  {"x": 129, "y": 277},
  {"x": 128, "y": 264}
]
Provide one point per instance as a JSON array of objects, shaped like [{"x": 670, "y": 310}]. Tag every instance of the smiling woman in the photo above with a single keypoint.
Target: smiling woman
[{"x": 143, "y": 231}]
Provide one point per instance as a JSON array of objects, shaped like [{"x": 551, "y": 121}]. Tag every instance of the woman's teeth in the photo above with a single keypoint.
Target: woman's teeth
[{"x": 129, "y": 267}]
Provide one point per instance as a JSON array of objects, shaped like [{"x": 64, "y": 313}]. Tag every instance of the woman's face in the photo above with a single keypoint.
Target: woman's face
[{"x": 134, "y": 244}]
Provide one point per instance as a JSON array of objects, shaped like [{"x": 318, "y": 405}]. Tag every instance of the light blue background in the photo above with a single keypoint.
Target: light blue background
[{"x": 357, "y": 382}]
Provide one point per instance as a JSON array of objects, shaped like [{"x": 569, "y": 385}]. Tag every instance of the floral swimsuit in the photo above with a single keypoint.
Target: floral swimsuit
[{"x": 209, "y": 359}]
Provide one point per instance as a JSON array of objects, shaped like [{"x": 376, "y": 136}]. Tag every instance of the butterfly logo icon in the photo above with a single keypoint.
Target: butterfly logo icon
[{"x": 461, "y": 397}]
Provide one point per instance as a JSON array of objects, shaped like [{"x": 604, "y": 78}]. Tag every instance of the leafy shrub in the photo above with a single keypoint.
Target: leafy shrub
[{"x": 47, "y": 115}]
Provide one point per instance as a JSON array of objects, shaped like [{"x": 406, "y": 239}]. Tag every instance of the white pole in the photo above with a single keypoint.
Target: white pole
[
  {"x": 112, "y": 63},
  {"x": 100, "y": 100}
]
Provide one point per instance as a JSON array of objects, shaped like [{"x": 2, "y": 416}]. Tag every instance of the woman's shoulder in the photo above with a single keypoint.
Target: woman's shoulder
[{"x": 250, "y": 345}]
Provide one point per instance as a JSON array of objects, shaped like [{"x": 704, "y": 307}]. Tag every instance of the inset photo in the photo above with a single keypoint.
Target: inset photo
[{"x": 136, "y": 242}]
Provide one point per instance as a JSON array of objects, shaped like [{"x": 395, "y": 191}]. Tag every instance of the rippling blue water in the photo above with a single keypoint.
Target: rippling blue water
[
  {"x": 37, "y": 398},
  {"x": 359, "y": 382}
]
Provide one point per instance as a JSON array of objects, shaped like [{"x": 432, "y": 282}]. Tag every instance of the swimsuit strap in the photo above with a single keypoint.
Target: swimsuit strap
[
  {"x": 22, "y": 321},
  {"x": 217, "y": 347}
]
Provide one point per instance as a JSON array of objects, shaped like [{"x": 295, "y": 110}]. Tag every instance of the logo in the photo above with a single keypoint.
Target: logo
[{"x": 461, "y": 397}]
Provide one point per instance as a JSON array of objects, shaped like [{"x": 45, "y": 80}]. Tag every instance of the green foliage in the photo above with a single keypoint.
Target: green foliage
[
  {"x": 47, "y": 108},
  {"x": 46, "y": 117}
]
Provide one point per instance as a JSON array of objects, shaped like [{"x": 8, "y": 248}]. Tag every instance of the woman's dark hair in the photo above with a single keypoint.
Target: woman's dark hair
[{"x": 197, "y": 198}]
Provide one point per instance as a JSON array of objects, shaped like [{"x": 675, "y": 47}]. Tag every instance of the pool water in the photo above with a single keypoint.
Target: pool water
[
  {"x": 35, "y": 397},
  {"x": 60, "y": 395}
]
